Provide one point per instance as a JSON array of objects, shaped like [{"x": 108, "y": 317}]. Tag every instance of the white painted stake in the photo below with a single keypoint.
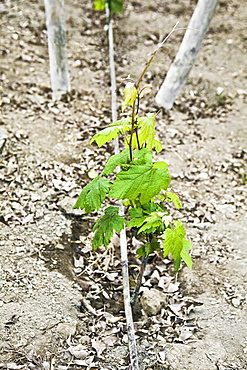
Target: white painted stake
[
  {"x": 123, "y": 239},
  {"x": 187, "y": 53},
  {"x": 57, "y": 47}
]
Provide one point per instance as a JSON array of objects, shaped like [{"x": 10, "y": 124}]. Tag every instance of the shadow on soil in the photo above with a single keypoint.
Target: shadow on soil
[{"x": 60, "y": 256}]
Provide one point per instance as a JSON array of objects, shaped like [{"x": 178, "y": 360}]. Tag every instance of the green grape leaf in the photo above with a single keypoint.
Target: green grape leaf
[
  {"x": 128, "y": 203},
  {"x": 116, "y": 5},
  {"x": 143, "y": 156},
  {"x": 176, "y": 244},
  {"x": 141, "y": 251},
  {"x": 136, "y": 222},
  {"x": 146, "y": 134},
  {"x": 108, "y": 134},
  {"x": 105, "y": 226},
  {"x": 177, "y": 264},
  {"x": 160, "y": 197},
  {"x": 173, "y": 240},
  {"x": 137, "y": 217},
  {"x": 99, "y": 4},
  {"x": 148, "y": 248},
  {"x": 93, "y": 194},
  {"x": 160, "y": 164},
  {"x": 112, "y": 131},
  {"x": 157, "y": 145},
  {"x": 186, "y": 257},
  {"x": 148, "y": 218},
  {"x": 171, "y": 197},
  {"x": 140, "y": 180},
  {"x": 152, "y": 221},
  {"x": 136, "y": 212},
  {"x": 151, "y": 207},
  {"x": 130, "y": 94},
  {"x": 116, "y": 160}
]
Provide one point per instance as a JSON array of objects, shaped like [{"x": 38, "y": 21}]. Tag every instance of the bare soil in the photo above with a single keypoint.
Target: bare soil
[{"x": 61, "y": 303}]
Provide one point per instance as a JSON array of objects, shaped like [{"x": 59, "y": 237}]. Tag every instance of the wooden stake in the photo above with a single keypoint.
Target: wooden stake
[
  {"x": 57, "y": 47},
  {"x": 187, "y": 53},
  {"x": 123, "y": 238}
]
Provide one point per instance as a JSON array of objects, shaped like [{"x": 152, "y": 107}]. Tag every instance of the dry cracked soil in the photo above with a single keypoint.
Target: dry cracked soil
[{"x": 61, "y": 303}]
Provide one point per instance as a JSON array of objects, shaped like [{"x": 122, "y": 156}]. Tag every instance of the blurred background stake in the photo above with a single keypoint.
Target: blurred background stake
[
  {"x": 57, "y": 48},
  {"x": 187, "y": 53}
]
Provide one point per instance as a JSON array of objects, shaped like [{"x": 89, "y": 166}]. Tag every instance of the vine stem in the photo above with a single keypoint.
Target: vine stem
[
  {"x": 123, "y": 238},
  {"x": 154, "y": 53},
  {"x": 134, "y": 109},
  {"x": 139, "y": 281}
]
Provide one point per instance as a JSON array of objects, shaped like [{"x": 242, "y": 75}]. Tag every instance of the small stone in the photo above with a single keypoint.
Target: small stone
[
  {"x": 155, "y": 275},
  {"x": 15, "y": 36},
  {"x": 241, "y": 92},
  {"x": 152, "y": 300},
  {"x": 77, "y": 63},
  {"x": 219, "y": 90},
  {"x": 92, "y": 174},
  {"x": 236, "y": 302},
  {"x": 203, "y": 176}
]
